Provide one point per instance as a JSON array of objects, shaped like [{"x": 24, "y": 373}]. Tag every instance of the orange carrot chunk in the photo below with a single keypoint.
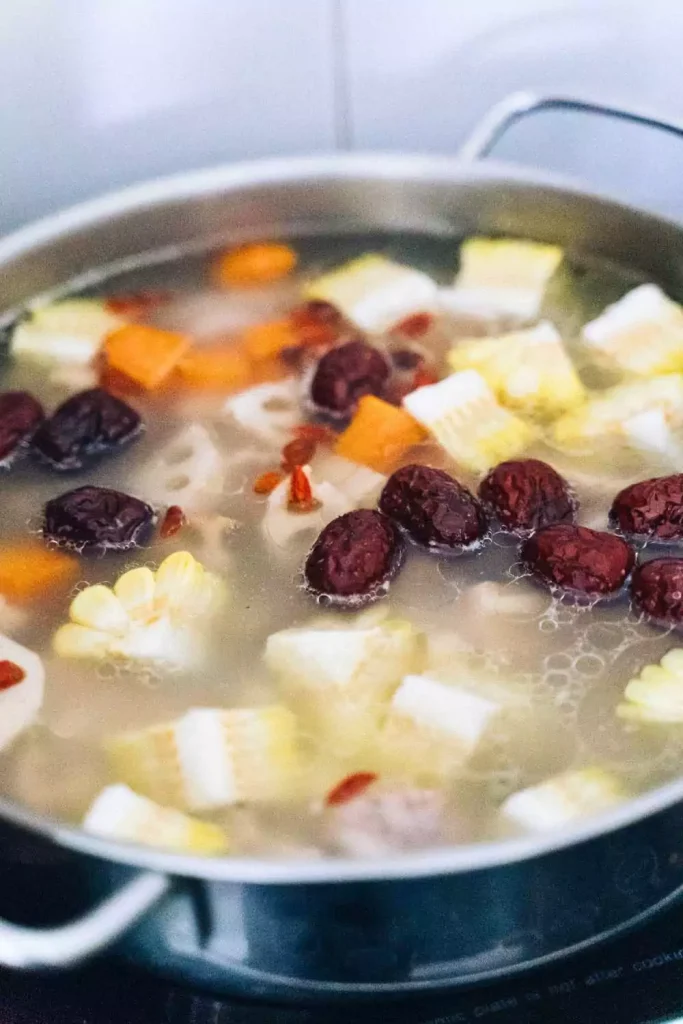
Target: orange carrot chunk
[
  {"x": 29, "y": 572},
  {"x": 267, "y": 341},
  {"x": 221, "y": 367},
  {"x": 255, "y": 263},
  {"x": 145, "y": 354},
  {"x": 379, "y": 434}
]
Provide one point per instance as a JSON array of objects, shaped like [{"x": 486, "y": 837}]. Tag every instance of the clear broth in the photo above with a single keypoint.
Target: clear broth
[{"x": 570, "y": 659}]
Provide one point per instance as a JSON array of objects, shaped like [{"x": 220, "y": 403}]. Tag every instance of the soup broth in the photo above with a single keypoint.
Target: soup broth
[{"x": 515, "y": 685}]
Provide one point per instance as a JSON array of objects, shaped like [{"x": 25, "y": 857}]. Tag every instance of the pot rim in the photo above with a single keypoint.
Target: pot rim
[{"x": 284, "y": 170}]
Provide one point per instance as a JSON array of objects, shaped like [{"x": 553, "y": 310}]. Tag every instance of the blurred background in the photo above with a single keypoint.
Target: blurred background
[{"x": 101, "y": 93}]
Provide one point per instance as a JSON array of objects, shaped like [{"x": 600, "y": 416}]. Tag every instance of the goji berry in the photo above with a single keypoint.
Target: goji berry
[
  {"x": 10, "y": 674},
  {"x": 267, "y": 482},
  {"x": 174, "y": 520},
  {"x": 350, "y": 787},
  {"x": 301, "y": 493}
]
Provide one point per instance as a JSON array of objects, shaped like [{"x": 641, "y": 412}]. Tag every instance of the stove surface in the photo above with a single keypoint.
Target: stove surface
[{"x": 637, "y": 979}]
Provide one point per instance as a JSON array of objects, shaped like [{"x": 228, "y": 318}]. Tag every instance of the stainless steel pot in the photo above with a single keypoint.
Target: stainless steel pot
[{"x": 348, "y": 928}]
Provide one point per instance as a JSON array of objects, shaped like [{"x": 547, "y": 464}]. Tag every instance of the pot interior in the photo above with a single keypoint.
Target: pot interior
[{"x": 164, "y": 236}]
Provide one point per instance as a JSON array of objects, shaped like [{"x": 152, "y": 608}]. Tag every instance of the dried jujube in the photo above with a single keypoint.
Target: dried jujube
[
  {"x": 650, "y": 509},
  {"x": 657, "y": 590},
  {"x": 433, "y": 509},
  {"x": 84, "y": 427},
  {"x": 20, "y": 417},
  {"x": 354, "y": 559},
  {"x": 98, "y": 519},
  {"x": 578, "y": 560},
  {"x": 526, "y": 495},
  {"x": 344, "y": 375}
]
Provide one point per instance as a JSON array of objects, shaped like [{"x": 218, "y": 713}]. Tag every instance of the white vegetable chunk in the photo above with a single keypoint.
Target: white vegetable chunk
[
  {"x": 360, "y": 484},
  {"x": 188, "y": 471},
  {"x": 268, "y": 411},
  {"x": 21, "y": 702},
  {"x": 211, "y": 757},
  {"x": 375, "y": 293},
  {"x": 119, "y": 813},
  {"x": 502, "y": 280},
  {"x": 340, "y": 678},
  {"x": 72, "y": 331},
  {"x": 562, "y": 799},
  {"x": 462, "y": 413},
  {"x": 641, "y": 334},
  {"x": 281, "y": 526}
]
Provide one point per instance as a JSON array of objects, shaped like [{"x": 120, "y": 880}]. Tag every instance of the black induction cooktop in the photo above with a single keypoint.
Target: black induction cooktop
[{"x": 636, "y": 979}]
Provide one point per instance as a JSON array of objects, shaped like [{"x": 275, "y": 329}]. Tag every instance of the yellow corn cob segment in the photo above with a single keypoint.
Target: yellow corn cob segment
[
  {"x": 375, "y": 293},
  {"x": 211, "y": 758},
  {"x": 641, "y": 334},
  {"x": 146, "y": 615},
  {"x": 563, "y": 799},
  {"x": 119, "y": 813},
  {"x": 502, "y": 279},
  {"x": 462, "y": 413},
  {"x": 71, "y": 331},
  {"x": 609, "y": 413},
  {"x": 529, "y": 371},
  {"x": 340, "y": 678},
  {"x": 435, "y": 723},
  {"x": 656, "y": 694}
]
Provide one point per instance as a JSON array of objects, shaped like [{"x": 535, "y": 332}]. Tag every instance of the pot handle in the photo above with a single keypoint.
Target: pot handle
[
  {"x": 501, "y": 117},
  {"x": 69, "y": 944}
]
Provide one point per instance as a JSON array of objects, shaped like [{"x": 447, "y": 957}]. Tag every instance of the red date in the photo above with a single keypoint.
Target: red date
[
  {"x": 85, "y": 427},
  {"x": 657, "y": 590},
  {"x": 577, "y": 560},
  {"x": 650, "y": 509},
  {"x": 20, "y": 417},
  {"x": 97, "y": 519},
  {"x": 526, "y": 495},
  {"x": 354, "y": 559},
  {"x": 344, "y": 375},
  {"x": 434, "y": 510}
]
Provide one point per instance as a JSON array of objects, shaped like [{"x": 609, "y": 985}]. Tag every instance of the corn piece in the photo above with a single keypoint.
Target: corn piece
[
  {"x": 656, "y": 693},
  {"x": 562, "y": 799},
  {"x": 641, "y": 334},
  {"x": 145, "y": 616},
  {"x": 609, "y": 415},
  {"x": 462, "y": 413},
  {"x": 375, "y": 293},
  {"x": 529, "y": 371},
  {"x": 435, "y": 724},
  {"x": 502, "y": 280},
  {"x": 119, "y": 813},
  {"x": 340, "y": 677},
  {"x": 71, "y": 331},
  {"x": 379, "y": 434},
  {"x": 211, "y": 757},
  {"x": 20, "y": 699}
]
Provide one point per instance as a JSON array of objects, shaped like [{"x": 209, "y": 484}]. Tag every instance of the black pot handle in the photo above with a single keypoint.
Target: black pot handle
[
  {"x": 496, "y": 122},
  {"x": 70, "y": 944}
]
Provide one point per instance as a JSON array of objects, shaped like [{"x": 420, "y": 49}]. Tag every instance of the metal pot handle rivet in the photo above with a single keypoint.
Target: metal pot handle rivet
[
  {"x": 501, "y": 117},
  {"x": 72, "y": 943}
]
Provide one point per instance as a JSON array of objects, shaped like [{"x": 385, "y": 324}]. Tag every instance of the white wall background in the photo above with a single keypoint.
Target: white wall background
[{"x": 100, "y": 93}]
